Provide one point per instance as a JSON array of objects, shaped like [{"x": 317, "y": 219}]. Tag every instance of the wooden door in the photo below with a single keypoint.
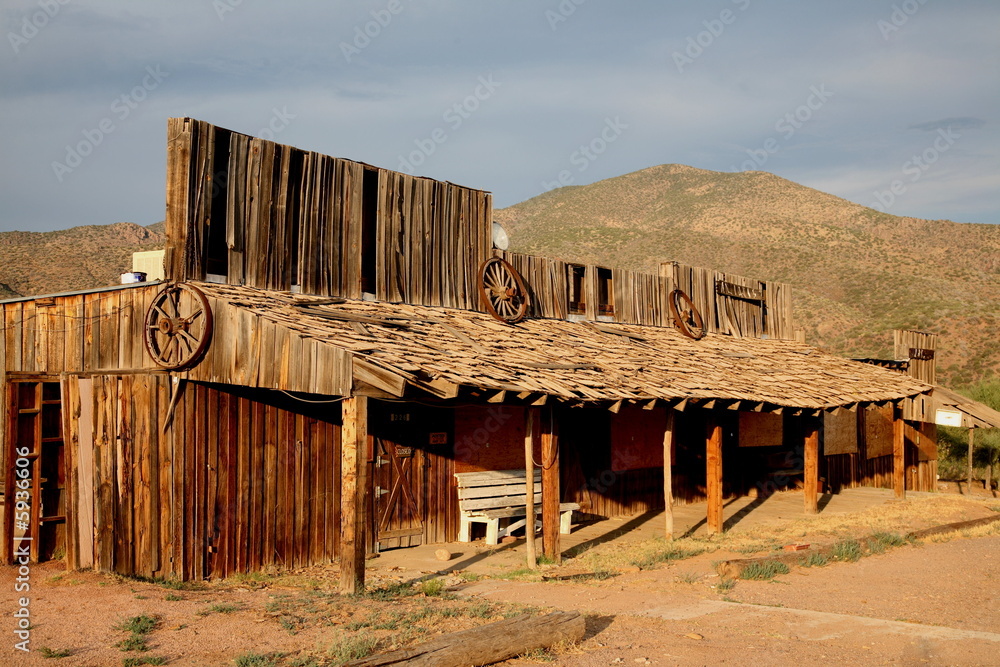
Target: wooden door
[
  {"x": 399, "y": 477},
  {"x": 35, "y": 516},
  {"x": 413, "y": 487}
]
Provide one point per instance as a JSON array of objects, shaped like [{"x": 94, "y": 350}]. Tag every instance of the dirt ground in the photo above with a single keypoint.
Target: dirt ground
[{"x": 935, "y": 602}]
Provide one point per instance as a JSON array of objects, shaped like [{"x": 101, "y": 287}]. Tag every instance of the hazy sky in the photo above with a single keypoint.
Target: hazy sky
[{"x": 889, "y": 103}]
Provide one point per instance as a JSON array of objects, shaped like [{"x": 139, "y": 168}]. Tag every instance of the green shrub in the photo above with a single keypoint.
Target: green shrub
[
  {"x": 432, "y": 587},
  {"x": 251, "y": 659},
  {"x": 847, "y": 550},
  {"x": 815, "y": 560},
  {"x": 140, "y": 625},
  {"x": 763, "y": 570}
]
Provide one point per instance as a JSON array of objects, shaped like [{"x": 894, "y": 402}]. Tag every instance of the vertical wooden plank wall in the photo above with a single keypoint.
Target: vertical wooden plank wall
[
  {"x": 273, "y": 216},
  {"x": 858, "y": 469},
  {"x": 924, "y": 370},
  {"x": 200, "y": 499}
]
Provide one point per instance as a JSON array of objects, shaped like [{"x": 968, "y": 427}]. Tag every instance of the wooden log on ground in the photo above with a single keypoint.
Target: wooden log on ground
[{"x": 487, "y": 644}]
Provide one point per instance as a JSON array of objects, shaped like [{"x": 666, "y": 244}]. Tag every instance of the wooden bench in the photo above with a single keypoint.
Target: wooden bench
[{"x": 496, "y": 496}]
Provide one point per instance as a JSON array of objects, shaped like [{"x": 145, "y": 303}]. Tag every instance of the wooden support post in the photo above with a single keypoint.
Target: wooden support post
[
  {"x": 354, "y": 485},
  {"x": 811, "y": 467},
  {"x": 668, "y": 486},
  {"x": 898, "y": 453},
  {"x": 972, "y": 439},
  {"x": 529, "y": 486},
  {"x": 713, "y": 474},
  {"x": 550, "y": 487}
]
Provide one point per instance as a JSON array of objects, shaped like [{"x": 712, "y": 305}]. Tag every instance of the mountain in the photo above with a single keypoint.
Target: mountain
[
  {"x": 856, "y": 273},
  {"x": 71, "y": 259}
]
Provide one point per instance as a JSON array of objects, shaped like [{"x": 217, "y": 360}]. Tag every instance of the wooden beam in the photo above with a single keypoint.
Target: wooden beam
[
  {"x": 354, "y": 484},
  {"x": 668, "y": 482},
  {"x": 898, "y": 448},
  {"x": 550, "y": 486},
  {"x": 811, "y": 467},
  {"x": 380, "y": 378},
  {"x": 972, "y": 440},
  {"x": 530, "y": 419},
  {"x": 713, "y": 473}
]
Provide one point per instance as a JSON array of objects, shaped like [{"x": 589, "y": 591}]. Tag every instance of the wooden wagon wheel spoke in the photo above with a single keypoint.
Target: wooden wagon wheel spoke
[
  {"x": 503, "y": 292},
  {"x": 686, "y": 315},
  {"x": 178, "y": 326}
]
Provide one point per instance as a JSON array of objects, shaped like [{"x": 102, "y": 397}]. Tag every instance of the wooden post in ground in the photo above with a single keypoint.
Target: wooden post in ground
[
  {"x": 972, "y": 439},
  {"x": 668, "y": 486},
  {"x": 811, "y": 467},
  {"x": 354, "y": 483},
  {"x": 713, "y": 474},
  {"x": 550, "y": 486},
  {"x": 529, "y": 486},
  {"x": 898, "y": 453}
]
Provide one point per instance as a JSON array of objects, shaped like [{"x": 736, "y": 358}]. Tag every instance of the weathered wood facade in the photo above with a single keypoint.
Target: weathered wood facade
[{"x": 351, "y": 371}]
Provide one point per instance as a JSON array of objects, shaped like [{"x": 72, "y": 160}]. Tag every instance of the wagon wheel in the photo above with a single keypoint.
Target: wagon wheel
[
  {"x": 502, "y": 290},
  {"x": 686, "y": 316},
  {"x": 178, "y": 326}
]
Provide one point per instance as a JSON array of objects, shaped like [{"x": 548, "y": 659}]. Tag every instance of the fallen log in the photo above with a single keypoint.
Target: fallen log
[
  {"x": 951, "y": 527},
  {"x": 487, "y": 644}
]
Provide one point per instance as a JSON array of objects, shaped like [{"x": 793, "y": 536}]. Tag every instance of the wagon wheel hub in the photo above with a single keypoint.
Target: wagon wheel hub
[
  {"x": 178, "y": 326},
  {"x": 502, "y": 290},
  {"x": 686, "y": 315}
]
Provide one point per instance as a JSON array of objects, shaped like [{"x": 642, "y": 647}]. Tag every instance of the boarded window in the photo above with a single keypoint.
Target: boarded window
[
  {"x": 878, "y": 431},
  {"x": 840, "y": 432},
  {"x": 605, "y": 292},
  {"x": 369, "y": 217},
  {"x": 760, "y": 429},
  {"x": 577, "y": 282}
]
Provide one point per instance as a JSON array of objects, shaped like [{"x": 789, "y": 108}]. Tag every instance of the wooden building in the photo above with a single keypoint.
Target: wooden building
[{"x": 336, "y": 341}]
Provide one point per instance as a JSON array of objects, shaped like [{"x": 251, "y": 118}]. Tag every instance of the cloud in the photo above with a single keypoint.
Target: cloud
[{"x": 963, "y": 123}]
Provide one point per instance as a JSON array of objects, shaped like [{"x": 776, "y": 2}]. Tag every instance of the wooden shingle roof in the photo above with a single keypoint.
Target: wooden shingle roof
[{"x": 445, "y": 349}]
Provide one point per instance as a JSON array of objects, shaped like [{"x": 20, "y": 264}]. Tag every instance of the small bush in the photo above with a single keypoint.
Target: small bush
[
  {"x": 815, "y": 560},
  {"x": 390, "y": 592},
  {"x": 345, "y": 649},
  {"x": 881, "y": 542},
  {"x": 481, "y": 609},
  {"x": 140, "y": 625},
  {"x": 144, "y": 660},
  {"x": 848, "y": 551},
  {"x": 134, "y": 642},
  {"x": 764, "y": 570},
  {"x": 220, "y": 609},
  {"x": 171, "y": 597},
  {"x": 251, "y": 659},
  {"x": 660, "y": 555},
  {"x": 47, "y": 652},
  {"x": 432, "y": 587},
  {"x": 725, "y": 585}
]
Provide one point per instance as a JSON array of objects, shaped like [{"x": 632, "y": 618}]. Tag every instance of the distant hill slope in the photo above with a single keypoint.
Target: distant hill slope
[
  {"x": 857, "y": 273},
  {"x": 71, "y": 259}
]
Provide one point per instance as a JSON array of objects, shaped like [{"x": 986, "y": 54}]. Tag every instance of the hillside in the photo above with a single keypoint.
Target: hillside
[
  {"x": 857, "y": 273},
  {"x": 71, "y": 259}
]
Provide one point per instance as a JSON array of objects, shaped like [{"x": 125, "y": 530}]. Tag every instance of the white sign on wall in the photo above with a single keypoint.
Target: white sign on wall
[{"x": 948, "y": 417}]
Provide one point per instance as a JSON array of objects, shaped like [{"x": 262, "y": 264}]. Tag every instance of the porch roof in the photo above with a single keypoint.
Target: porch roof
[
  {"x": 976, "y": 414},
  {"x": 442, "y": 350}
]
